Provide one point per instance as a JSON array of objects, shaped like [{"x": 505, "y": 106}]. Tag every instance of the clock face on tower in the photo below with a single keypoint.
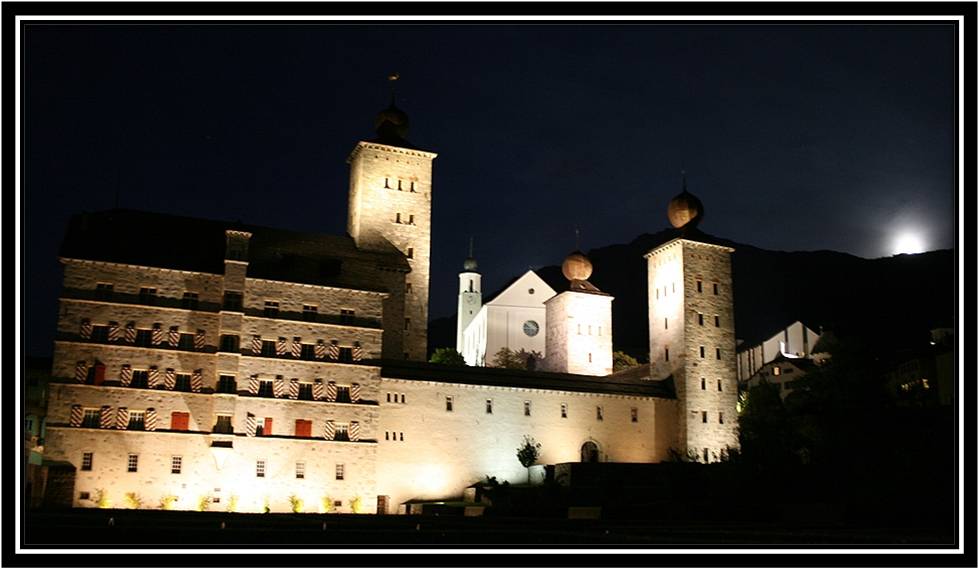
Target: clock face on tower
[
  {"x": 531, "y": 328},
  {"x": 470, "y": 300}
]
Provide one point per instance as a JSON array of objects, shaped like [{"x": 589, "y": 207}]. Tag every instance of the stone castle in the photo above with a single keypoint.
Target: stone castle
[{"x": 202, "y": 364}]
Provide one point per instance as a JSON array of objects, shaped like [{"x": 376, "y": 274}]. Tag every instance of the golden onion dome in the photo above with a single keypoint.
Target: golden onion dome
[
  {"x": 685, "y": 210},
  {"x": 576, "y": 267}
]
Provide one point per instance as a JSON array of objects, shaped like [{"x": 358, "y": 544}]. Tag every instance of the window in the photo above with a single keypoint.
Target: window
[
  {"x": 657, "y": 293},
  {"x": 703, "y": 416},
  {"x": 397, "y": 217},
  {"x": 223, "y": 425},
  {"x": 103, "y": 291},
  {"x": 720, "y": 418},
  {"x": 271, "y": 309},
  {"x": 304, "y": 428},
  {"x": 310, "y": 312},
  {"x": 190, "y": 301},
  {"x": 411, "y": 219},
  {"x": 634, "y": 414},
  {"x": 700, "y": 319},
  {"x": 706, "y": 459},
  {"x": 719, "y": 385},
  {"x": 147, "y": 295},
  {"x": 346, "y": 354},
  {"x": 402, "y": 397},
  {"x": 86, "y": 461},
  {"x": 407, "y": 323},
  {"x": 666, "y": 323},
  {"x": 489, "y": 406},
  {"x": 526, "y": 408},
  {"x": 137, "y": 421},
  {"x": 412, "y": 187},
  {"x": 339, "y": 472},
  {"x": 306, "y": 391},
  {"x": 346, "y": 316},
  {"x": 268, "y": 348},
  {"x": 717, "y": 321},
  {"x": 186, "y": 342},
  {"x": 343, "y": 394},
  {"x": 264, "y": 428},
  {"x": 386, "y": 183},
  {"x": 307, "y": 352},
  {"x": 176, "y": 464},
  {"x": 411, "y": 253},
  {"x": 564, "y": 410},
  {"x": 408, "y": 289},
  {"x": 179, "y": 421},
  {"x": 702, "y": 351},
  {"x": 776, "y": 370},
  {"x": 232, "y": 300},
  {"x": 100, "y": 333},
  {"x": 389, "y": 397},
  {"x": 399, "y": 186},
  {"x": 260, "y": 469},
  {"x": 715, "y": 288},
  {"x": 402, "y": 436},
  {"x": 83, "y": 495},
  {"x": 448, "y": 404},
  {"x": 227, "y": 384},
  {"x": 140, "y": 378},
  {"x": 703, "y": 384},
  {"x": 230, "y": 343},
  {"x": 132, "y": 463},
  {"x": 143, "y": 337},
  {"x": 182, "y": 382},
  {"x": 599, "y": 413},
  {"x": 300, "y": 470},
  {"x": 340, "y": 433},
  {"x": 718, "y": 353},
  {"x": 265, "y": 388},
  {"x": 666, "y": 354},
  {"x": 700, "y": 286},
  {"x": 91, "y": 418}
]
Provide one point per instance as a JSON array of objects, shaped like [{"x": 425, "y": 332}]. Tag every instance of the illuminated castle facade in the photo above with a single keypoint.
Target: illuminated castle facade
[{"x": 202, "y": 364}]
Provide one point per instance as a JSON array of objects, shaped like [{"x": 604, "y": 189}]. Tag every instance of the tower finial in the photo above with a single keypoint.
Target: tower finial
[
  {"x": 683, "y": 175},
  {"x": 470, "y": 245},
  {"x": 392, "y": 78},
  {"x": 577, "y": 238}
]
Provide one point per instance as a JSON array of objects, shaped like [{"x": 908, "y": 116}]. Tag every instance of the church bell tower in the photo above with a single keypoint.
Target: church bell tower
[
  {"x": 390, "y": 210},
  {"x": 470, "y": 297}
]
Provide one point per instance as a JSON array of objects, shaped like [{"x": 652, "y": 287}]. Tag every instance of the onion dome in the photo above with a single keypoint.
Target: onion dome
[
  {"x": 685, "y": 210},
  {"x": 470, "y": 265},
  {"x": 576, "y": 267},
  {"x": 392, "y": 122}
]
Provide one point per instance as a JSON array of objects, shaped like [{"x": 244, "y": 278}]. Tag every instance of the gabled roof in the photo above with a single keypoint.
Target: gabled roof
[
  {"x": 516, "y": 293},
  {"x": 194, "y": 244}
]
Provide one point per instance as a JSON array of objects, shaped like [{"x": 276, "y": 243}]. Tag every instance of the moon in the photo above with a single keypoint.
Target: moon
[{"x": 908, "y": 243}]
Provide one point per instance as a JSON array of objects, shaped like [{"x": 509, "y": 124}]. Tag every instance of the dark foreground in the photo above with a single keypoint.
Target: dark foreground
[{"x": 132, "y": 528}]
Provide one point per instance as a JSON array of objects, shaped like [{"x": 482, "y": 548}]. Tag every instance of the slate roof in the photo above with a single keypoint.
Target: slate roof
[
  {"x": 198, "y": 245},
  {"x": 498, "y": 377}
]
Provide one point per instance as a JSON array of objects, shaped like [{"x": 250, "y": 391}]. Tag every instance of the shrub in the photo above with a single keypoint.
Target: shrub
[
  {"x": 167, "y": 502},
  {"x": 265, "y": 506},
  {"x": 447, "y": 356},
  {"x": 327, "y": 504},
  {"x": 357, "y": 505},
  {"x": 296, "y": 503},
  {"x": 133, "y": 500},
  {"x": 233, "y": 503},
  {"x": 102, "y": 499},
  {"x": 203, "y": 503}
]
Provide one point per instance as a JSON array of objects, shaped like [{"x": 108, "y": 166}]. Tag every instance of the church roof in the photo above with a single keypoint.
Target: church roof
[
  {"x": 198, "y": 245},
  {"x": 498, "y": 377}
]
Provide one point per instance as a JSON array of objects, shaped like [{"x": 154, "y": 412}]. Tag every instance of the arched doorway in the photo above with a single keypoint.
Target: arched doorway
[{"x": 589, "y": 452}]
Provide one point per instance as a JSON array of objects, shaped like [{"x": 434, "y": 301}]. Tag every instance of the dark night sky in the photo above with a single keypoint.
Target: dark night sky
[{"x": 795, "y": 137}]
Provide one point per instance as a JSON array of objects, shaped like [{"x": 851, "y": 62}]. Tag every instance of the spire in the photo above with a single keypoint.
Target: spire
[
  {"x": 577, "y": 238},
  {"x": 391, "y": 124},
  {"x": 392, "y": 78}
]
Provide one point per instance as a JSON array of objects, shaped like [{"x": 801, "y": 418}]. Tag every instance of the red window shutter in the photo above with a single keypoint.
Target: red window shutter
[
  {"x": 179, "y": 421},
  {"x": 304, "y": 428},
  {"x": 99, "y": 373},
  {"x": 268, "y": 427}
]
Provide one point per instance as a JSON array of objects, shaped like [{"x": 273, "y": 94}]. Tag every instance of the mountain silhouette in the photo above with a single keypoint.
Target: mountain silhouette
[{"x": 885, "y": 304}]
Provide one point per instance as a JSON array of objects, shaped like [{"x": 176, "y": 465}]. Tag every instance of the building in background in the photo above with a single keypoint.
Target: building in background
[{"x": 794, "y": 341}]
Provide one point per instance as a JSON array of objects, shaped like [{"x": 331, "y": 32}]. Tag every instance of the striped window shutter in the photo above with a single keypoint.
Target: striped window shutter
[
  {"x": 334, "y": 350},
  {"x": 318, "y": 389},
  {"x": 76, "y": 416},
  {"x": 331, "y": 391},
  {"x": 354, "y": 431},
  {"x": 174, "y": 336},
  {"x": 280, "y": 346},
  {"x": 297, "y": 347},
  {"x": 320, "y": 349},
  {"x": 358, "y": 352},
  {"x": 152, "y": 376},
  {"x": 294, "y": 388},
  {"x": 199, "y": 339},
  {"x": 277, "y": 386},
  {"x": 130, "y": 332},
  {"x": 81, "y": 371},
  {"x": 329, "y": 430},
  {"x": 256, "y": 345},
  {"x": 86, "y": 329},
  {"x": 105, "y": 417},
  {"x": 197, "y": 380},
  {"x": 113, "y": 331},
  {"x": 169, "y": 379},
  {"x": 125, "y": 375},
  {"x": 355, "y": 393},
  {"x": 122, "y": 418},
  {"x": 157, "y": 338},
  {"x": 150, "y": 424},
  {"x": 250, "y": 424},
  {"x": 253, "y": 384}
]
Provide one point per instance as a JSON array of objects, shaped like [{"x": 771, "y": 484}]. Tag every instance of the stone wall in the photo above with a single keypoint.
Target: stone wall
[{"x": 579, "y": 333}]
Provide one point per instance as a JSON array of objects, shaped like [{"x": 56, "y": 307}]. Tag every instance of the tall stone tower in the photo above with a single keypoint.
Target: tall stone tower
[
  {"x": 390, "y": 209},
  {"x": 470, "y": 297},
  {"x": 691, "y": 331},
  {"x": 579, "y": 323}
]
